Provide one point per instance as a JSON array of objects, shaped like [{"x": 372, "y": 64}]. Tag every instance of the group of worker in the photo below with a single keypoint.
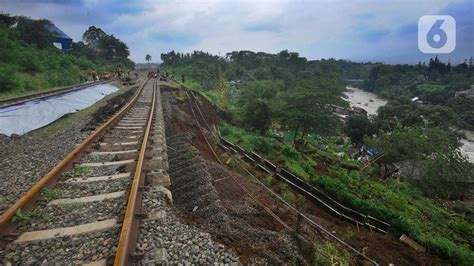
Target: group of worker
[
  {"x": 84, "y": 77},
  {"x": 120, "y": 75},
  {"x": 164, "y": 77}
]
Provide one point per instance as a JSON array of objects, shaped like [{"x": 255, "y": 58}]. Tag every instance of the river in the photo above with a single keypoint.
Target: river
[{"x": 363, "y": 99}]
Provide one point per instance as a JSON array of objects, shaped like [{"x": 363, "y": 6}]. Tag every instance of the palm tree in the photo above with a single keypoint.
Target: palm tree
[{"x": 148, "y": 58}]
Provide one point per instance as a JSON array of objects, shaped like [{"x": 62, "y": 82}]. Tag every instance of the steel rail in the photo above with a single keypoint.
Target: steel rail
[
  {"x": 128, "y": 234},
  {"x": 45, "y": 94},
  {"x": 50, "y": 178}
]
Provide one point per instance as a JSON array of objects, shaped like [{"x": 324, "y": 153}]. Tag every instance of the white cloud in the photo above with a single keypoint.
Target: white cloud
[{"x": 313, "y": 28}]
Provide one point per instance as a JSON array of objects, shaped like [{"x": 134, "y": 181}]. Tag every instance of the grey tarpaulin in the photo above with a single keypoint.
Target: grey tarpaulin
[{"x": 22, "y": 118}]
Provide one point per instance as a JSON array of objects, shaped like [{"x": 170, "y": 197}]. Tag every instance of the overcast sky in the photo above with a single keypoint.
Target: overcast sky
[{"x": 358, "y": 30}]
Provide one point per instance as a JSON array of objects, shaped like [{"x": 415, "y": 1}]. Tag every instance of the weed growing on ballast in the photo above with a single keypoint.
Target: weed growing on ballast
[
  {"x": 52, "y": 193},
  {"x": 78, "y": 171}
]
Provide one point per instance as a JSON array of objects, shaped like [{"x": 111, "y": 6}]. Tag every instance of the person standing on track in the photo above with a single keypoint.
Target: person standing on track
[
  {"x": 118, "y": 72},
  {"x": 94, "y": 75}
]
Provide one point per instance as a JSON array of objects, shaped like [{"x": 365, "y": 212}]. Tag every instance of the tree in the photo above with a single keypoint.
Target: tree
[
  {"x": 255, "y": 98},
  {"x": 10, "y": 21},
  {"x": 148, "y": 58},
  {"x": 306, "y": 107},
  {"x": 107, "y": 46},
  {"x": 432, "y": 154},
  {"x": 357, "y": 127},
  {"x": 412, "y": 143},
  {"x": 93, "y": 35},
  {"x": 222, "y": 88},
  {"x": 446, "y": 175},
  {"x": 257, "y": 115},
  {"x": 35, "y": 32},
  {"x": 462, "y": 107}
]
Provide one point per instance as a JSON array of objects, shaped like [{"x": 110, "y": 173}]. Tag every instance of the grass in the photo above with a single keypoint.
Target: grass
[
  {"x": 399, "y": 203},
  {"x": 22, "y": 92},
  {"x": 328, "y": 254},
  {"x": 22, "y": 217},
  {"x": 78, "y": 171},
  {"x": 52, "y": 193}
]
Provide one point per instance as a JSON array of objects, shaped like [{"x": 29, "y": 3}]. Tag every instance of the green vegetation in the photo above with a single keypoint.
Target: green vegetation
[
  {"x": 78, "y": 171},
  {"x": 277, "y": 97},
  {"x": 29, "y": 62},
  {"x": 329, "y": 255},
  {"x": 22, "y": 217},
  {"x": 399, "y": 203},
  {"x": 52, "y": 193},
  {"x": 435, "y": 84}
]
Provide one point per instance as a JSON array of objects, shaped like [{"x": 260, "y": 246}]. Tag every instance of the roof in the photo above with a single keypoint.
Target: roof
[{"x": 59, "y": 33}]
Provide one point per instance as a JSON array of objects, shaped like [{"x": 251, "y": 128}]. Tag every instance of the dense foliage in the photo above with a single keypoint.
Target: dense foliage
[
  {"x": 434, "y": 84},
  {"x": 283, "y": 88},
  {"x": 442, "y": 232},
  {"x": 273, "y": 96},
  {"x": 30, "y": 62}
]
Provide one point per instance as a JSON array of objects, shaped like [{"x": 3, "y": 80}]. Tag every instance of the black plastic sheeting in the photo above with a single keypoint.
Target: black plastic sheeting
[{"x": 22, "y": 118}]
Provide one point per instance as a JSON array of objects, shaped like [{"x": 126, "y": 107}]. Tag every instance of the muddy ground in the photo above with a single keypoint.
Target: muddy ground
[
  {"x": 209, "y": 197},
  {"x": 25, "y": 159}
]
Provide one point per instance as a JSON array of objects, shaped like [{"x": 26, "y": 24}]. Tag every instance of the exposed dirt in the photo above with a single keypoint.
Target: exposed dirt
[
  {"x": 210, "y": 200},
  {"x": 246, "y": 227}
]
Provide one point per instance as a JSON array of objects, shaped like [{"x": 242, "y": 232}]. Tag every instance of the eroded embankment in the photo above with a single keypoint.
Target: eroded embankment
[
  {"x": 263, "y": 238},
  {"x": 209, "y": 199},
  {"x": 25, "y": 159}
]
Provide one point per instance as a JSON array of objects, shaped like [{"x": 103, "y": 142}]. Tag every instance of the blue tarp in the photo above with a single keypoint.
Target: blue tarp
[{"x": 22, "y": 118}]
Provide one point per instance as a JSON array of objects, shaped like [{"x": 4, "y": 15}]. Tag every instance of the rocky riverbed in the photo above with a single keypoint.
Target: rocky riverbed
[{"x": 365, "y": 100}]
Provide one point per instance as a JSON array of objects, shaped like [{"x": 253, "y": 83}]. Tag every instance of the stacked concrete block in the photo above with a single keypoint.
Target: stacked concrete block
[{"x": 158, "y": 162}]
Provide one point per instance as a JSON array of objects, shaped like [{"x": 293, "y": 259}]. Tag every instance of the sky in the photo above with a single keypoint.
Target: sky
[{"x": 359, "y": 30}]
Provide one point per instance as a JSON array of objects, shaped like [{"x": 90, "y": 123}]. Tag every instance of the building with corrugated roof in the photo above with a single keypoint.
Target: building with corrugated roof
[{"x": 61, "y": 38}]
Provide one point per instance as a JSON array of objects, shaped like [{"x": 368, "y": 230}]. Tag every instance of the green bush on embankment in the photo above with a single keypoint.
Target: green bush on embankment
[
  {"x": 398, "y": 203},
  {"x": 27, "y": 66}
]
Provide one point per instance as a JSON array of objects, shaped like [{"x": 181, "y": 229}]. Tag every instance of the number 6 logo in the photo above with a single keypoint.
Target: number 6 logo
[{"x": 436, "y": 34}]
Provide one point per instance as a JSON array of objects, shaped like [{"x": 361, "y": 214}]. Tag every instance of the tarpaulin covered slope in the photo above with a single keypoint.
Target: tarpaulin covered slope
[{"x": 28, "y": 116}]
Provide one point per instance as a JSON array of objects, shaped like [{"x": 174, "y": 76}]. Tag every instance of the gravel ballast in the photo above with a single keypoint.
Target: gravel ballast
[{"x": 25, "y": 159}]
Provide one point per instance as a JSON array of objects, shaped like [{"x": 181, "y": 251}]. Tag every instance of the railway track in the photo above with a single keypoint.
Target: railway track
[
  {"x": 87, "y": 208},
  {"x": 44, "y": 94}
]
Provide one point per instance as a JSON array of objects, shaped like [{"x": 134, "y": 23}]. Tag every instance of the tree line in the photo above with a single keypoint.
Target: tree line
[{"x": 29, "y": 61}]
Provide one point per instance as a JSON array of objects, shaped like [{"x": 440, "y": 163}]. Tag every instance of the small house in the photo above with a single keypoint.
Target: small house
[{"x": 62, "y": 41}]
